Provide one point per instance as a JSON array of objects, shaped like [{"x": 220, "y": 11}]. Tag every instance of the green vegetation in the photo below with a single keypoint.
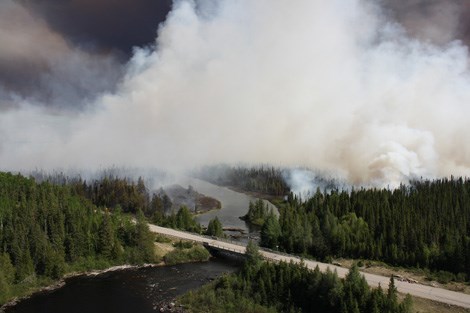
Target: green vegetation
[
  {"x": 214, "y": 228},
  {"x": 182, "y": 220},
  {"x": 47, "y": 230},
  {"x": 114, "y": 192},
  {"x": 186, "y": 252},
  {"x": 268, "y": 287},
  {"x": 265, "y": 180},
  {"x": 271, "y": 232},
  {"x": 162, "y": 238},
  {"x": 424, "y": 225},
  {"x": 257, "y": 212}
]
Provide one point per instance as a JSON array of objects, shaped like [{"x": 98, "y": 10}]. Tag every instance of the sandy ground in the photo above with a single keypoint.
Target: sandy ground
[{"x": 384, "y": 270}]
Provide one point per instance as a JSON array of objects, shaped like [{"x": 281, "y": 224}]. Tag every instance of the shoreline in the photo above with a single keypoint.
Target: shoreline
[
  {"x": 254, "y": 194},
  {"x": 91, "y": 273},
  {"x": 199, "y": 213},
  {"x": 63, "y": 281}
]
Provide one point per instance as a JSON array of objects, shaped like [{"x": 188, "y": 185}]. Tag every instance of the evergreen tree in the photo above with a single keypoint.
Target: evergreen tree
[
  {"x": 145, "y": 239},
  {"x": 271, "y": 232},
  {"x": 106, "y": 237},
  {"x": 214, "y": 228},
  {"x": 253, "y": 257}
]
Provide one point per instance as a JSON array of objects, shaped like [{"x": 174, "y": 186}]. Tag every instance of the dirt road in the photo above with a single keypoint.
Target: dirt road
[{"x": 427, "y": 292}]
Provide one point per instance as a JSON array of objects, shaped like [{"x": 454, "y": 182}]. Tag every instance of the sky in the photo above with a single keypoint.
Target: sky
[{"x": 373, "y": 91}]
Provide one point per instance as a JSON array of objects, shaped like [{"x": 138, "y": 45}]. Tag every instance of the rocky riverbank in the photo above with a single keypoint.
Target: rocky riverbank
[
  {"x": 169, "y": 306},
  {"x": 61, "y": 283}
]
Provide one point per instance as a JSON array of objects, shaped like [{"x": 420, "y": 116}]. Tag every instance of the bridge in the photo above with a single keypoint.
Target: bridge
[{"x": 414, "y": 289}]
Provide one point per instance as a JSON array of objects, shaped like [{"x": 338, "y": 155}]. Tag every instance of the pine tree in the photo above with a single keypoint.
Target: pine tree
[
  {"x": 271, "y": 232},
  {"x": 214, "y": 228},
  {"x": 145, "y": 239},
  {"x": 106, "y": 237},
  {"x": 392, "y": 296},
  {"x": 253, "y": 257}
]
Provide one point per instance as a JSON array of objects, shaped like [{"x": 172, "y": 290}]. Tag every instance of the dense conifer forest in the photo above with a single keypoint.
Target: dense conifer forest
[
  {"x": 52, "y": 227},
  {"x": 425, "y": 224},
  {"x": 269, "y": 287},
  {"x": 48, "y": 229},
  {"x": 262, "y": 179}
]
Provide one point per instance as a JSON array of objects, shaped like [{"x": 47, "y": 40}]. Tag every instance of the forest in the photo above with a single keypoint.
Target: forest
[
  {"x": 47, "y": 230},
  {"x": 425, "y": 224},
  {"x": 267, "y": 180},
  {"x": 287, "y": 287},
  {"x": 257, "y": 213}
]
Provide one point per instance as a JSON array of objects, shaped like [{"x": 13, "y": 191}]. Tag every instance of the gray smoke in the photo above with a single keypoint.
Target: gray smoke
[
  {"x": 39, "y": 66},
  {"x": 335, "y": 85},
  {"x": 435, "y": 21}
]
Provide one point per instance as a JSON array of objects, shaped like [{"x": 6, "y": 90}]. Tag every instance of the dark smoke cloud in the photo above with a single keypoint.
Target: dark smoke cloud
[
  {"x": 62, "y": 54},
  {"x": 117, "y": 25},
  {"x": 339, "y": 85},
  {"x": 68, "y": 51}
]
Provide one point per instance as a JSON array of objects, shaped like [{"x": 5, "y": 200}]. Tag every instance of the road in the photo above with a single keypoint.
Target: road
[{"x": 418, "y": 290}]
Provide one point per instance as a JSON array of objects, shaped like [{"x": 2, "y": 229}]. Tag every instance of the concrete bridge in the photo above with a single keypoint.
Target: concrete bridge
[{"x": 414, "y": 289}]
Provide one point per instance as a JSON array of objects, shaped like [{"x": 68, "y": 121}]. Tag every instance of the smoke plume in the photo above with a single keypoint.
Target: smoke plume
[
  {"x": 39, "y": 66},
  {"x": 336, "y": 85}
]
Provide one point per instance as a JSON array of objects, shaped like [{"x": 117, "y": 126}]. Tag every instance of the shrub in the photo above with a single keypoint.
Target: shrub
[
  {"x": 194, "y": 254},
  {"x": 444, "y": 277}
]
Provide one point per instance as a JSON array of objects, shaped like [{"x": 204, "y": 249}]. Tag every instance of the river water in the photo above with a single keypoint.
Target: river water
[
  {"x": 127, "y": 291},
  {"x": 234, "y": 204},
  {"x": 142, "y": 290}
]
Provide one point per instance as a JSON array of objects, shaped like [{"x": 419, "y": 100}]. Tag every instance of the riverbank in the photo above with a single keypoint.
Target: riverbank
[
  {"x": 271, "y": 198},
  {"x": 61, "y": 283},
  {"x": 145, "y": 290},
  {"x": 166, "y": 255}
]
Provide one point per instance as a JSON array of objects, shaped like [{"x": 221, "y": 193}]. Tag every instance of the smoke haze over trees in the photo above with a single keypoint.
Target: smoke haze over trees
[{"x": 355, "y": 87}]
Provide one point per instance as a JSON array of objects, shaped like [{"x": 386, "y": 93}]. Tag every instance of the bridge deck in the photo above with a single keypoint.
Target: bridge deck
[{"x": 418, "y": 290}]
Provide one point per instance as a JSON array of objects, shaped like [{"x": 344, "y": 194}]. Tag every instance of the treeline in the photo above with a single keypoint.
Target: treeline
[
  {"x": 185, "y": 220},
  {"x": 48, "y": 229},
  {"x": 263, "y": 179},
  {"x": 426, "y": 224},
  {"x": 182, "y": 220},
  {"x": 111, "y": 192},
  {"x": 269, "y": 287},
  {"x": 132, "y": 196},
  {"x": 257, "y": 212},
  {"x": 128, "y": 196}
]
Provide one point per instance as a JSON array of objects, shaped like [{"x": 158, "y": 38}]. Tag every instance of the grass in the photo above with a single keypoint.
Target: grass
[
  {"x": 421, "y": 305},
  {"x": 196, "y": 253}
]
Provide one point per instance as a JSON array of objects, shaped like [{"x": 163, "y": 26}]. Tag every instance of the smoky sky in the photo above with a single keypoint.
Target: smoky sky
[
  {"x": 105, "y": 32},
  {"x": 104, "y": 25},
  {"x": 376, "y": 91},
  {"x": 436, "y": 21},
  {"x": 71, "y": 50},
  {"x": 122, "y": 25}
]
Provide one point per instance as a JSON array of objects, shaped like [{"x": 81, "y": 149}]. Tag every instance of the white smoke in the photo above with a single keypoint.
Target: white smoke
[
  {"x": 332, "y": 85},
  {"x": 304, "y": 182}
]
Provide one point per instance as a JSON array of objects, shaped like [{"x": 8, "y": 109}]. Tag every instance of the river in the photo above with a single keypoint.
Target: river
[
  {"x": 126, "y": 291},
  {"x": 142, "y": 290},
  {"x": 234, "y": 204}
]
